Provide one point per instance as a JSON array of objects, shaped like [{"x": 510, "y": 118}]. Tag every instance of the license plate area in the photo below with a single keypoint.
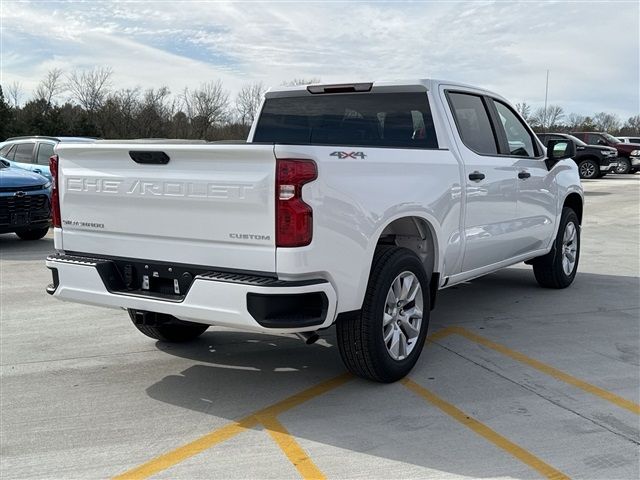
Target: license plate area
[
  {"x": 165, "y": 281},
  {"x": 21, "y": 218}
]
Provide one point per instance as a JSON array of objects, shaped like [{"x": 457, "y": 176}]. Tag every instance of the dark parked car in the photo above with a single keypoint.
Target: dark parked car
[
  {"x": 25, "y": 206},
  {"x": 628, "y": 153},
  {"x": 593, "y": 160}
]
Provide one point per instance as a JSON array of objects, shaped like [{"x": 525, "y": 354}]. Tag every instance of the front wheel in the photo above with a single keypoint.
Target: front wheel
[
  {"x": 384, "y": 340},
  {"x": 589, "y": 169},
  {"x": 35, "y": 234},
  {"x": 624, "y": 166},
  {"x": 166, "y": 327},
  {"x": 558, "y": 268}
]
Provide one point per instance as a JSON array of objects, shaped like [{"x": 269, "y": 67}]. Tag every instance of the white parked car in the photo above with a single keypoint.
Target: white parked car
[
  {"x": 350, "y": 205},
  {"x": 629, "y": 139}
]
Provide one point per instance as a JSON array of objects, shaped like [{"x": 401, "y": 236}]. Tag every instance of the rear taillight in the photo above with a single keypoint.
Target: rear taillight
[
  {"x": 294, "y": 218},
  {"x": 55, "y": 199}
]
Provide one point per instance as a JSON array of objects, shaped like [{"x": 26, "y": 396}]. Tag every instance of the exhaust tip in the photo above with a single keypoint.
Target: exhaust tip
[{"x": 309, "y": 338}]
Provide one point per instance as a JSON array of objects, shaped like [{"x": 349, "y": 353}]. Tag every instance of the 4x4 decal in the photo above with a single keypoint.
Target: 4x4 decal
[{"x": 343, "y": 155}]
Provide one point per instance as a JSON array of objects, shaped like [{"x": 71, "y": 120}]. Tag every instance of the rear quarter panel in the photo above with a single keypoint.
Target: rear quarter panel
[{"x": 353, "y": 200}]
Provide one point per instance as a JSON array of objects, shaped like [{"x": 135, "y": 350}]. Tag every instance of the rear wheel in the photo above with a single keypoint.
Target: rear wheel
[
  {"x": 384, "y": 340},
  {"x": 32, "y": 234},
  {"x": 166, "y": 328},
  {"x": 558, "y": 268},
  {"x": 624, "y": 166},
  {"x": 588, "y": 169}
]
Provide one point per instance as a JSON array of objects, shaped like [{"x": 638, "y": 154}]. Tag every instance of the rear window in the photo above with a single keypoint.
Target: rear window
[{"x": 365, "y": 119}]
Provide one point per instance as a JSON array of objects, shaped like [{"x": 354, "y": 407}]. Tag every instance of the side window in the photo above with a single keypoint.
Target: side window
[
  {"x": 24, "y": 152},
  {"x": 473, "y": 123},
  {"x": 4, "y": 151},
  {"x": 592, "y": 138},
  {"x": 518, "y": 137},
  {"x": 45, "y": 150}
]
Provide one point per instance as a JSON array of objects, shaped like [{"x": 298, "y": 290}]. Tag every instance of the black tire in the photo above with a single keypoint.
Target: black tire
[
  {"x": 32, "y": 234},
  {"x": 360, "y": 336},
  {"x": 624, "y": 166},
  {"x": 589, "y": 169},
  {"x": 548, "y": 269},
  {"x": 169, "y": 328}
]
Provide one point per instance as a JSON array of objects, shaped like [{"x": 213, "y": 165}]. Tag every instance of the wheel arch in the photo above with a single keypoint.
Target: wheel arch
[
  {"x": 575, "y": 202},
  {"x": 419, "y": 234},
  {"x": 588, "y": 156}
]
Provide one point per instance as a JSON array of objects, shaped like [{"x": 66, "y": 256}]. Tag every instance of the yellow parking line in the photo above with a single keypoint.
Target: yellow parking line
[
  {"x": 291, "y": 448},
  {"x": 180, "y": 454},
  {"x": 440, "y": 334},
  {"x": 222, "y": 434},
  {"x": 486, "y": 432},
  {"x": 549, "y": 370}
]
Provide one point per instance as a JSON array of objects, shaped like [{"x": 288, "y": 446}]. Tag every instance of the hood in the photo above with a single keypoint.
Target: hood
[
  {"x": 600, "y": 148},
  {"x": 627, "y": 147},
  {"x": 13, "y": 177}
]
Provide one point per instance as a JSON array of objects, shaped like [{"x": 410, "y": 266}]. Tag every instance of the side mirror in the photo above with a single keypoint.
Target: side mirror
[
  {"x": 602, "y": 142},
  {"x": 5, "y": 163},
  {"x": 559, "y": 150}
]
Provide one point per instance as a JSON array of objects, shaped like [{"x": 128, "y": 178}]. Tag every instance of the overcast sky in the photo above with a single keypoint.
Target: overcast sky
[{"x": 590, "y": 48}]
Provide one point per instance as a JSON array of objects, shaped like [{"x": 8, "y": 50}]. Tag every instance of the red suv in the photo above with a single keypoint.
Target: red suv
[{"x": 628, "y": 153}]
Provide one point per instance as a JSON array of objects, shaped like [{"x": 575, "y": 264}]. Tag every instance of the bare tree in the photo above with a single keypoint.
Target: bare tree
[
  {"x": 50, "y": 86},
  {"x": 575, "y": 120},
  {"x": 547, "y": 118},
  {"x": 155, "y": 113},
  {"x": 206, "y": 107},
  {"x": 248, "y": 101},
  {"x": 524, "y": 110},
  {"x": 606, "y": 122},
  {"x": 90, "y": 88},
  {"x": 632, "y": 125},
  {"x": 301, "y": 81},
  {"x": 14, "y": 94}
]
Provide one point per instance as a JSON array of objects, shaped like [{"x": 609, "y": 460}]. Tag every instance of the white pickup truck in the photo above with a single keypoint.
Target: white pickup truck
[{"x": 349, "y": 204}]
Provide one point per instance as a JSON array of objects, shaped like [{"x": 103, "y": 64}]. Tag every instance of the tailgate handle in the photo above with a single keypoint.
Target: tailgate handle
[{"x": 147, "y": 157}]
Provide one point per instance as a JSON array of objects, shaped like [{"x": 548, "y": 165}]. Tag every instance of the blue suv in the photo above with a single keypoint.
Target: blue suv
[
  {"x": 25, "y": 202},
  {"x": 32, "y": 153}
]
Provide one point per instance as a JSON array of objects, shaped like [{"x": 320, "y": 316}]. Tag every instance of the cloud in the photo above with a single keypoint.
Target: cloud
[{"x": 590, "y": 48}]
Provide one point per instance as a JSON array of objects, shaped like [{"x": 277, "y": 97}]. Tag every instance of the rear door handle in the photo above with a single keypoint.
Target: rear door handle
[
  {"x": 524, "y": 175},
  {"x": 476, "y": 176}
]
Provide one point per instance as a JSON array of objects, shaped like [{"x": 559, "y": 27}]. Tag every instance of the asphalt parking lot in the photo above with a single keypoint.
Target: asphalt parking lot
[{"x": 517, "y": 381}]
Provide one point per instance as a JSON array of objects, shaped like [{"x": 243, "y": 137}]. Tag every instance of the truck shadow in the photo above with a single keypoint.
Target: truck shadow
[{"x": 236, "y": 374}]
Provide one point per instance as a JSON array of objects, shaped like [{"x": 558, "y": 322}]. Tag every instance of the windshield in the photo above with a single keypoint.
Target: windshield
[{"x": 611, "y": 138}]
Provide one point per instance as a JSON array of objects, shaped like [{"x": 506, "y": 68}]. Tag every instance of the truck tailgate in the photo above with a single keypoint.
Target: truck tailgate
[{"x": 209, "y": 205}]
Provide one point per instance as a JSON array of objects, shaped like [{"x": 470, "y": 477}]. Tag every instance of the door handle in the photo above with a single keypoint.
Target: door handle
[
  {"x": 476, "y": 176},
  {"x": 524, "y": 175}
]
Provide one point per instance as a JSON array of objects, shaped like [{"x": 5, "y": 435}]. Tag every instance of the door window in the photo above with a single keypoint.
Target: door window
[
  {"x": 519, "y": 139},
  {"x": 45, "y": 150},
  {"x": 592, "y": 138},
  {"x": 24, "y": 152},
  {"x": 472, "y": 120}
]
